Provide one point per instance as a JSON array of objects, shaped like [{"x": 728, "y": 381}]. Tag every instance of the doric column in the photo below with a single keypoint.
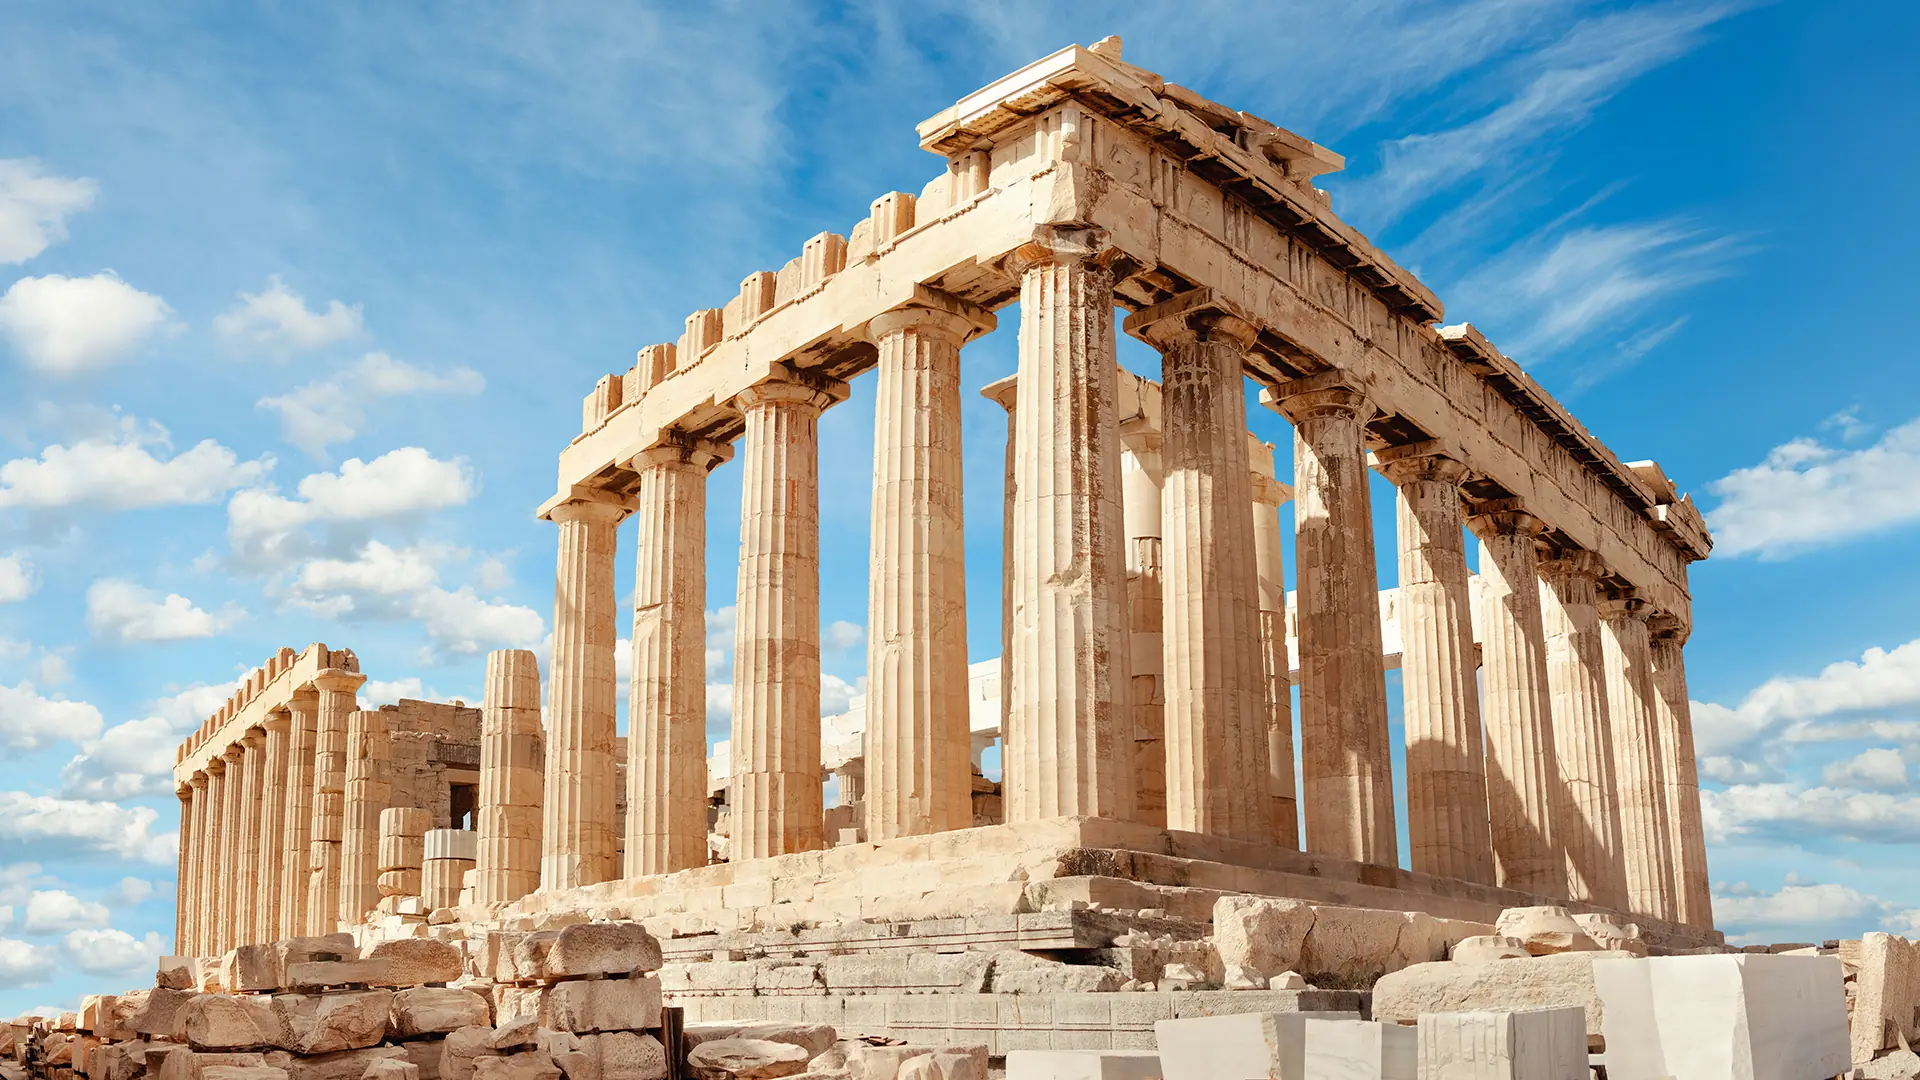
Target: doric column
[
  {"x": 1069, "y": 733},
  {"x": 1141, "y": 478},
  {"x": 1674, "y": 718},
  {"x": 183, "y": 874},
  {"x": 403, "y": 852},
  {"x": 577, "y": 829},
  {"x": 303, "y": 710},
  {"x": 247, "y": 862},
  {"x": 213, "y": 894},
  {"x": 667, "y": 744},
  {"x": 367, "y": 794},
  {"x": 197, "y": 875},
  {"x": 1269, "y": 495},
  {"x": 512, "y": 770},
  {"x": 337, "y": 689},
  {"x": 1446, "y": 770},
  {"x": 1004, "y": 392},
  {"x": 273, "y": 826},
  {"x": 1644, "y": 837},
  {"x": 1521, "y": 774},
  {"x": 1344, "y": 746},
  {"x": 1215, "y": 714},
  {"x": 227, "y": 920},
  {"x": 919, "y": 779},
  {"x": 774, "y": 785},
  {"x": 1586, "y": 815},
  {"x": 447, "y": 855}
]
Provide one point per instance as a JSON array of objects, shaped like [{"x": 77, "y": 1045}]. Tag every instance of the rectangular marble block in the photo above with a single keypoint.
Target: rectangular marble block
[
  {"x": 1523, "y": 1044},
  {"x": 1083, "y": 1065},
  {"x": 1727, "y": 1017},
  {"x": 1357, "y": 1050},
  {"x": 1246, "y": 1045}
]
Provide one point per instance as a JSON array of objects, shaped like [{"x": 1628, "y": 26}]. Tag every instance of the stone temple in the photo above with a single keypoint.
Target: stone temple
[{"x": 1151, "y": 854}]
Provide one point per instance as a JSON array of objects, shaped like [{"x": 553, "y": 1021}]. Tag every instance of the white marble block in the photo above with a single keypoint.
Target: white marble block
[
  {"x": 1358, "y": 1050},
  {"x": 1083, "y": 1065},
  {"x": 1726, "y": 1017},
  {"x": 1247, "y": 1046},
  {"x": 1522, "y": 1044}
]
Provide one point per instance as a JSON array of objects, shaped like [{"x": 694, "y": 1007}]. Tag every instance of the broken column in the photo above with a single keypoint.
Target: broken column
[
  {"x": 366, "y": 793},
  {"x": 512, "y": 770},
  {"x": 447, "y": 855},
  {"x": 403, "y": 850}
]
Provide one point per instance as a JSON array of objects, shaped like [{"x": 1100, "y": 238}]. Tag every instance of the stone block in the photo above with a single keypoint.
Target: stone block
[
  {"x": 516, "y": 1033},
  {"x": 227, "y": 1022},
  {"x": 244, "y": 1072},
  {"x": 529, "y": 1065},
  {"x": 602, "y": 948},
  {"x": 390, "y": 1069},
  {"x": 1239, "y": 1045},
  {"x": 415, "y": 961},
  {"x": 433, "y": 1009},
  {"x": 1350, "y": 948},
  {"x": 1609, "y": 933},
  {"x": 882, "y": 1062},
  {"x": 1544, "y": 930},
  {"x": 1884, "y": 993},
  {"x": 1746, "y": 1016},
  {"x": 177, "y": 973},
  {"x": 344, "y": 1065},
  {"x": 250, "y": 969},
  {"x": 1358, "y": 1050},
  {"x": 1016, "y": 972},
  {"x": 1259, "y": 937},
  {"x": 460, "y": 1048},
  {"x": 313, "y": 974},
  {"x": 318, "y": 948},
  {"x": 626, "y": 1055},
  {"x": 585, "y": 1006},
  {"x": 425, "y": 1056},
  {"x": 1535, "y": 982},
  {"x": 527, "y": 959},
  {"x": 1524, "y": 1044},
  {"x": 161, "y": 1015},
  {"x": 1486, "y": 948},
  {"x": 519, "y": 1001},
  {"x": 943, "y": 1065},
  {"x": 813, "y": 1038},
  {"x": 170, "y": 1061},
  {"x": 746, "y": 1059},
  {"x": 325, "y": 1023},
  {"x": 1084, "y": 1065}
]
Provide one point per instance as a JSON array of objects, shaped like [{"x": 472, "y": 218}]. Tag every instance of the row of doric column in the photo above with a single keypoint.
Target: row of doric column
[
  {"x": 261, "y": 827},
  {"x": 1145, "y": 674}
]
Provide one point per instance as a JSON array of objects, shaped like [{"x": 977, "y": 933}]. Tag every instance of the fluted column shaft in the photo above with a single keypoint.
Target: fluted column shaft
[
  {"x": 577, "y": 829},
  {"x": 233, "y": 838},
  {"x": 337, "y": 690},
  {"x": 183, "y": 874},
  {"x": 1344, "y": 747},
  {"x": 1283, "y": 786},
  {"x": 1070, "y": 732},
  {"x": 247, "y": 894},
  {"x": 273, "y": 823},
  {"x": 1215, "y": 714},
  {"x": 918, "y": 757},
  {"x": 1141, "y": 480},
  {"x": 774, "y": 782},
  {"x": 1674, "y": 715},
  {"x": 197, "y": 889},
  {"x": 512, "y": 770},
  {"x": 297, "y": 813},
  {"x": 367, "y": 793},
  {"x": 1446, "y": 769},
  {"x": 1004, "y": 393},
  {"x": 213, "y": 883},
  {"x": 1586, "y": 814},
  {"x": 1644, "y": 836},
  {"x": 667, "y": 747}
]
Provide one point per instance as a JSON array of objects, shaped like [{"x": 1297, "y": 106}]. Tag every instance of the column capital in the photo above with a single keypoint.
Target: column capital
[
  {"x": 589, "y": 510},
  {"x": 703, "y": 454},
  {"x": 1193, "y": 316},
  {"x": 1333, "y": 394},
  {"x": 337, "y": 679},
  {"x": 1625, "y": 607},
  {"x": 1669, "y": 628},
  {"x": 254, "y": 738},
  {"x": 183, "y": 791},
  {"x": 933, "y": 311},
  {"x": 805, "y": 389},
  {"x": 280, "y": 720},
  {"x": 1504, "y": 517},
  {"x": 198, "y": 779},
  {"x": 1002, "y": 392},
  {"x": 1427, "y": 460},
  {"x": 1574, "y": 564},
  {"x": 233, "y": 753},
  {"x": 1270, "y": 492},
  {"x": 1060, "y": 245}
]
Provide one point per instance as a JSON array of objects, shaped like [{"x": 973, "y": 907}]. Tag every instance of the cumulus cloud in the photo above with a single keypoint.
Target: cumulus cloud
[
  {"x": 127, "y": 760},
  {"x": 114, "y": 952},
  {"x": 131, "y": 891},
  {"x": 377, "y": 692},
  {"x": 1799, "y": 708},
  {"x": 1790, "y": 810},
  {"x": 278, "y": 322},
  {"x": 133, "y": 468},
  {"x": 16, "y": 578},
  {"x": 34, "y": 206},
  {"x": 383, "y": 583},
  {"x": 1799, "y": 910},
  {"x": 264, "y": 527},
  {"x": 70, "y": 325},
  {"x": 1807, "y": 495},
  {"x": 123, "y": 611},
  {"x": 24, "y": 964},
  {"x": 29, "y": 720},
  {"x": 58, "y": 910},
  {"x": 1876, "y": 769},
  {"x": 333, "y": 409},
  {"x": 42, "y": 824},
  {"x": 841, "y": 635}
]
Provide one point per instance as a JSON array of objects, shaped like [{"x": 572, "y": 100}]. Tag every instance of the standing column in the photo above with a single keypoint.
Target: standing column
[
  {"x": 297, "y": 815},
  {"x": 1446, "y": 772},
  {"x": 367, "y": 794},
  {"x": 273, "y": 827},
  {"x": 667, "y": 744},
  {"x": 337, "y": 689},
  {"x": 1069, "y": 736},
  {"x": 1216, "y": 720},
  {"x": 1586, "y": 815},
  {"x": 1674, "y": 718},
  {"x": 1269, "y": 495},
  {"x": 775, "y": 778},
  {"x": 247, "y": 862},
  {"x": 227, "y": 920},
  {"x": 197, "y": 878},
  {"x": 1642, "y": 778},
  {"x": 213, "y": 896},
  {"x": 1002, "y": 392},
  {"x": 1141, "y": 479},
  {"x": 577, "y": 830},
  {"x": 507, "y": 852},
  {"x": 918, "y": 751},
  {"x": 1344, "y": 747},
  {"x": 1521, "y": 774},
  {"x": 183, "y": 874}
]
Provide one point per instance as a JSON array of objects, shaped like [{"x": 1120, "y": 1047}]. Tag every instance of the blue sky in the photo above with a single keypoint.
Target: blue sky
[{"x": 298, "y": 303}]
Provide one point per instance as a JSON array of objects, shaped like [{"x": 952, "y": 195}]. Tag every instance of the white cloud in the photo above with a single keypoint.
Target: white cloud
[
  {"x": 377, "y": 692},
  {"x": 1807, "y": 495},
  {"x": 23, "y": 964},
  {"x": 114, "y": 952},
  {"x": 1798, "y": 910},
  {"x": 131, "y": 891},
  {"x": 67, "y": 325},
  {"x": 265, "y": 528},
  {"x": 17, "y": 881},
  {"x": 187, "y": 708},
  {"x": 387, "y": 583},
  {"x": 277, "y": 321},
  {"x": 837, "y": 694},
  {"x": 1876, "y": 769},
  {"x": 34, "y": 206},
  {"x": 1795, "y": 708},
  {"x": 1791, "y": 810},
  {"x": 841, "y": 635},
  {"x": 29, "y": 720},
  {"x": 123, "y": 611},
  {"x": 333, "y": 409},
  {"x": 16, "y": 578},
  {"x": 58, "y": 910},
  {"x": 122, "y": 472},
  {"x": 127, "y": 760},
  {"x": 42, "y": 823}
]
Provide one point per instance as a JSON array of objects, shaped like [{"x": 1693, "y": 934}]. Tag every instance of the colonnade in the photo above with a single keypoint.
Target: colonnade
[{"x": 1567, "y": 772}]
